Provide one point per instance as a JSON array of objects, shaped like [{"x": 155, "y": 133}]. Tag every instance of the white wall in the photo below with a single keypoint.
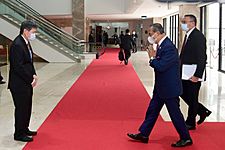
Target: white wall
[
  {"x": 104, "y": 6},
  {"x": 51, "y": 7}
]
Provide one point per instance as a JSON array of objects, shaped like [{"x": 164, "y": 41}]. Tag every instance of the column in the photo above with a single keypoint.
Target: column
[{"x": 78, "y": 20}]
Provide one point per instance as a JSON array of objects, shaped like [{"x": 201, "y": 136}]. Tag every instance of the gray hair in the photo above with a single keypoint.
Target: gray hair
[{"x": 157, "y": 27}]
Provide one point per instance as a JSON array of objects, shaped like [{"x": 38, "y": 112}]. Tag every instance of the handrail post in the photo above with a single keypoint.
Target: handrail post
[{"x": 7, "y": 54}]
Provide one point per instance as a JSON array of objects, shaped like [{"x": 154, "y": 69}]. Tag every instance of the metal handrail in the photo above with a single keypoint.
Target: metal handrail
[
  {"x": 16, "y": 7},
  {"x": 45, "y": 19}
]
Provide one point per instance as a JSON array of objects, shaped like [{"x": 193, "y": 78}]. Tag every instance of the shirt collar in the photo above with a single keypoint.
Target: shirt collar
[
  {"x": 189, "y": 32},
  {"x": 25, "y": 39},
  {"x": 160, "y": 42}
]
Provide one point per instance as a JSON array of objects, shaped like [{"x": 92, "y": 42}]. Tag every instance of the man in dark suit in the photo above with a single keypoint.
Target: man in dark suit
[
  {"x": 126, "y": 45},
  {"x": 22, "y": 79},
  {"x": 193, "y": 52},
  {"x": 167, "y": 88}
]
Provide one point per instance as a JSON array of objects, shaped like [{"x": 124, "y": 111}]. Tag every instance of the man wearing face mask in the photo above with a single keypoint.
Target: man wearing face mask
[
  {"x": 22, "y": 80},
  {"x": 193, "y": 52},
  {"x": 167, "y": 88}
]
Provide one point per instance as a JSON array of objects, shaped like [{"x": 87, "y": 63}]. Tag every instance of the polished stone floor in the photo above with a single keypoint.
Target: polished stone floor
[{"x": 56, "y": 78}]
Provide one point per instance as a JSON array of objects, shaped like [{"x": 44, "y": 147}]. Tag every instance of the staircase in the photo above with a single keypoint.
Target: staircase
[{"x": 52, "y": 44}]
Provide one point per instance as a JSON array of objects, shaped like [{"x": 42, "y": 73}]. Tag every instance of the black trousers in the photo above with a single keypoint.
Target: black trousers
[
  {"x": 23, "y": 105},
  {"x": 190, "y": 96},
  {"x": 173, "y": 107},
  {"x": 127, "y": 54},
  {"x": 134, "y": 47}
]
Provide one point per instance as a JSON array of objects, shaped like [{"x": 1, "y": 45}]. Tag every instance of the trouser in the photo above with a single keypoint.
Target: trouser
[
  {"x": 135, "y": 47},
  {"x": 173, "y": 108},
  {"x": 190, "y": 96},
  {"x": 127, "y": 54},
  {"x": 23, "y": 105}
]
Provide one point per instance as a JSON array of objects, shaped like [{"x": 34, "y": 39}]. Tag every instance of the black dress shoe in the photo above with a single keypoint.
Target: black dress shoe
[
  {"x": 138, "y": 137},
  {"x": 182, "y": 143},
  {"x": 125, "y": 61},
  {"x": 2, "y": 82},
  {"x": 24, "y": 139},
  {"x": 189, "y": 127},
  {"x": 203, "y": 117},
  {"x": 31, "y": 133}
]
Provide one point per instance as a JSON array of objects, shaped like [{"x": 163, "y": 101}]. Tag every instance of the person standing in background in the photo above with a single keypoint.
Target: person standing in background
[
  {"x": 22, "y": 80},
  {"x": 134, "y": 37},
  {"x": 105, "y": 38},
  {"x": 193, "y": 52},
  {"x": 91, "y": 41}
]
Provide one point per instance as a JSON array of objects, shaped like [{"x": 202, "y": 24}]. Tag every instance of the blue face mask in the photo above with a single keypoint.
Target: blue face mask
[{"x": 184, "y": 27}]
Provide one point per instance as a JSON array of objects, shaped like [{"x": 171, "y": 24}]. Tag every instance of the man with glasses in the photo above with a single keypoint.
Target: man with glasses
[{"x": 193, "y": 56}]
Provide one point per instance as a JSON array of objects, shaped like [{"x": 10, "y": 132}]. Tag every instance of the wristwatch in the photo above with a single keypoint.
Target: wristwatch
[{"x": 151, "y": 59}]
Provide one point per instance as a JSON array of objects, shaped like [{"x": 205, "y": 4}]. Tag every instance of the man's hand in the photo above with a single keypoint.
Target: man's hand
[
  {"x": 34, "y": 82},
  {"x": 194, "y": 79},
  {"x": 151, "y": 52}
]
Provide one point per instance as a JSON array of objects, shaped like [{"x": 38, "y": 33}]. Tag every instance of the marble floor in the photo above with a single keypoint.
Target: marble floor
[{"x": 56, "y": 78}]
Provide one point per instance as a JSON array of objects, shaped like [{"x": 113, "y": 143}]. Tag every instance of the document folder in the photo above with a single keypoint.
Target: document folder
[{"x": 189, "y": 70}]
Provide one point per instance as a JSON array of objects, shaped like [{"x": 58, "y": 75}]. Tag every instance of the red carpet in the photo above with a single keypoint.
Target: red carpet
[{"x": 106, "y": 102}]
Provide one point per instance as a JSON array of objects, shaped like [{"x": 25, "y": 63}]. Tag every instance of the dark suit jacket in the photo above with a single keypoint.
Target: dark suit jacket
[
  {"x": 127, "y": 42},
  {"x": 166, "y": 67},
  {"x": 194, "y": 52},
  {"x": 21, "y": 66}
]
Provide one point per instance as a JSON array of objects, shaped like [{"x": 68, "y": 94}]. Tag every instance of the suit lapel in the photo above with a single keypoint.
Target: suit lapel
[
  {"x": 190, "y": 36},
  {"x": 26, "y": 50},
  {"x": 159, "y": 50}
]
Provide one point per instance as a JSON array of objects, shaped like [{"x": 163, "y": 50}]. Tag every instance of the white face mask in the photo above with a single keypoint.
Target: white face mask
[
  {"x": 184, "y": 27},
  {"x": 151, "y": 40},
  {"x": 32, "y": 37}
]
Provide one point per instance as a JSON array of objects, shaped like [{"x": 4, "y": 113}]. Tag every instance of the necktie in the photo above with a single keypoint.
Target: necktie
[
  {"x": 30, "y": 53},
  {"x": 184, "y": 42}
]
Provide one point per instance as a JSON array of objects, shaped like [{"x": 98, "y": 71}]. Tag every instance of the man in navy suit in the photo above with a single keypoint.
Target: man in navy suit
[{"x": 167, "y": 88}]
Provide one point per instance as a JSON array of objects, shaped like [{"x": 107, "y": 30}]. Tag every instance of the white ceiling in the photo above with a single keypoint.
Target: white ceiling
[{"x": 138, "y": 8}]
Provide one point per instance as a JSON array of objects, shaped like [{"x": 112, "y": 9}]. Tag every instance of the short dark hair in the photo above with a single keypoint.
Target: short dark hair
[
  {"x": 127, "y": 30},
  {"x": 192, "y": 17},
  {"x": 157, "y": 27},
  {"x": 28, "y": 25}
]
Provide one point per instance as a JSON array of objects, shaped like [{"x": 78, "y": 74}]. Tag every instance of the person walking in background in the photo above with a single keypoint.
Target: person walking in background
[
  {"x": 134, "y": 37},
  {"x": 126, "y": 45},
  {"x": 22, "y": 80},
  {"x": 167, "y": 89},
  {"x": 193, "y": 53},
  {"x": 120, "y": 38}
]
